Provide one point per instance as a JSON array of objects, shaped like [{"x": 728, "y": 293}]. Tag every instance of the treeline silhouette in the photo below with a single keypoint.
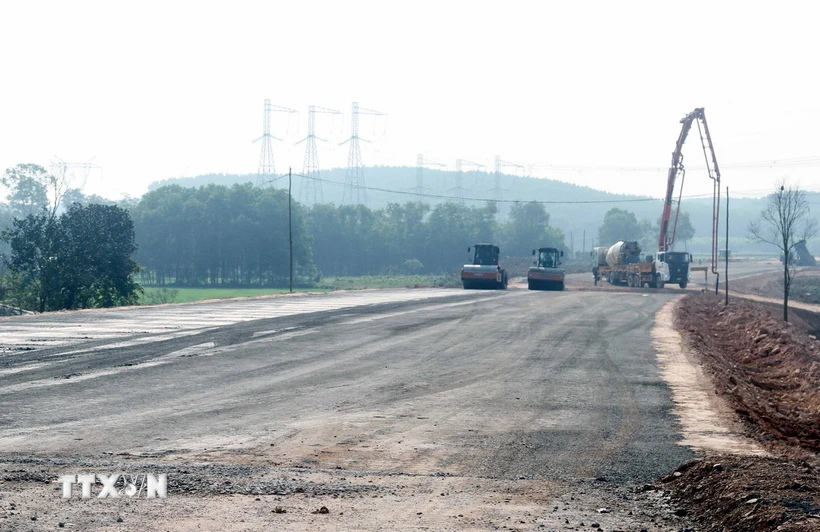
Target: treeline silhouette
[{"x": 238, "y": 235}]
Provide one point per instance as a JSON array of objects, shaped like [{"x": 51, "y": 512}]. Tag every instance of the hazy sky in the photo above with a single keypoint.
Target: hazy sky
[{"x": 166, "y": 89}]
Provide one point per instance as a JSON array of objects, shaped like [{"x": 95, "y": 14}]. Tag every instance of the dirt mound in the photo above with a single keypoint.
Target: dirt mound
[
  {"x": 805, "y": 285},
  {"x": 747, "y": 493},
  {"x": 769, "y": 370}
]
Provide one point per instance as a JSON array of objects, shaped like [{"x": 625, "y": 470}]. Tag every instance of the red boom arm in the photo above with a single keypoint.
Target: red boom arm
[{"x": 665, "y": 240}]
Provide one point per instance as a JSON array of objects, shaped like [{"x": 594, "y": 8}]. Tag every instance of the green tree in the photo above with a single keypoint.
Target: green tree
[
  {"x": 28, "y": 186},
  {"x": 220, "y": 235},
  {"x": 649, "y": 234},
  {"x": 33, "y": 258},
  {"x": 95, "y": 252},
  {"x": 75, "y": 195},
  {"x": 685, "y": 231},
  {"x": 6, "y": 218},
  {"x": 452, "y": 228},
  {"x": 528, "y": 228},
  {"x": 619, "y": 224},
  {"x": 80, "y": 260}
]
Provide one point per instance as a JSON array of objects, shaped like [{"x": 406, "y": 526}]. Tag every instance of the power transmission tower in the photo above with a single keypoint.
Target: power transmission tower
[
  {"x": 266, "y": 166},
  {"x": 59, "y": 169},
  {"x": 421, "y": 162},
  {"x": 63, "y": 179},
  {"x": 459, "y": 178},
  {"x": 499, "y": 164},
  {"x": 354, "y": 179},
  {"x": 311, "y": 186}
]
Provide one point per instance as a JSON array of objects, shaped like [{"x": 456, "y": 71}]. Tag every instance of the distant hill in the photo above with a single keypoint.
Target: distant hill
[{"x": 575, "y": 219}]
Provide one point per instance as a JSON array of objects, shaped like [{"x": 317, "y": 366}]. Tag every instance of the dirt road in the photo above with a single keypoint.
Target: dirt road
[{"x": 441, "y": 409}]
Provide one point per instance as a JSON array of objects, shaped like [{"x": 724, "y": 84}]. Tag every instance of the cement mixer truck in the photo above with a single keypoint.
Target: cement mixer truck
[{"x": 622, "y": 264}]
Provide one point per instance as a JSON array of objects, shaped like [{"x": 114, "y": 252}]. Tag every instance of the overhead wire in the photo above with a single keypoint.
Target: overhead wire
[
  {"x": 511, "y": 201},
  {"x": 545, "y": 202}
]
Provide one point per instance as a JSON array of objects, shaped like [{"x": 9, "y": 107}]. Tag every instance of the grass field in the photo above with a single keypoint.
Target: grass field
[
  {"x": 154, "y": 295},
  {"x": 388, "y": 281},
  {"x": 158, "y": 295}
]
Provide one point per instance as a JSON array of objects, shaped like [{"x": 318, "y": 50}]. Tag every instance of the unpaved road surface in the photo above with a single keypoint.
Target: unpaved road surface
[{"x": 406, "y": 409}]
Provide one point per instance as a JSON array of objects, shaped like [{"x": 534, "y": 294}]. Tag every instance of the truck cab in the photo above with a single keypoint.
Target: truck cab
[{"x": 678, "y": 263}]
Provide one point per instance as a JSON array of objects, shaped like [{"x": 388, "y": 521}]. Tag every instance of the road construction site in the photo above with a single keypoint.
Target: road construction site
[{"x": 394, "y": 409}]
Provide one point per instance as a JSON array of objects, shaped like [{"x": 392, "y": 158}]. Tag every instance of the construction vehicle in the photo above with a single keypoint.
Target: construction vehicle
[
  {"x": 484, "y": 272},
  {"x": 655, "y": 271},
  {"x": 678, "y": 262},
  {"x": 621, "y": 264},
  {"x": 666, "y": 239},
  {"x": 802, "y": 256},
  {"x": 546, "y": 275}
]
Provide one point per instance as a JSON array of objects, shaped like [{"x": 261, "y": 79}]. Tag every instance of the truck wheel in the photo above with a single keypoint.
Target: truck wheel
[
  {"x": 659, "y": 281},
  {"x": 682, "y": 284}
]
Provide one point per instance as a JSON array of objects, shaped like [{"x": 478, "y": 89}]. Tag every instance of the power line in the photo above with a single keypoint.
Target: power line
[
  {"x": 780, "y": 163},
  {"x": 455, "y": 198},
  {"x": 546, "y": 202}
]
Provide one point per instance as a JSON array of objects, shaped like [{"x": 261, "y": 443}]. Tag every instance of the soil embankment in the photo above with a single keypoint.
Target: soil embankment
[{"x": 768, "y": 371}]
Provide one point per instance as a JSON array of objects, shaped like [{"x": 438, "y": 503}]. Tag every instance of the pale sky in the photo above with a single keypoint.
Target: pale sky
[{"x": 166, "y": 89}]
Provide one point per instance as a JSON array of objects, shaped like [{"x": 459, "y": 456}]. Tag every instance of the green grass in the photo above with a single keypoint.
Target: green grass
[
  {"x": 186, "y": 295},
  {"x": 388, "y": 281},
  {"x": 155, "y": 295}
]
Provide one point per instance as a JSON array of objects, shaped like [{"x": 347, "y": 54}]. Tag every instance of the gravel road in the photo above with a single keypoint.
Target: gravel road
[{"x": 518, "y": 409}]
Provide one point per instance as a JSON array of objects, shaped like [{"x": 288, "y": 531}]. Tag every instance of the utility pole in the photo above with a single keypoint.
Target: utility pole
[
  {"x": 726, "y": 251},
  {"x": 266, "y": 166},
  {"x": 354, "y": 179},
  {"x": 311, "y": 186},
  {"x": 290, "y": 225}
]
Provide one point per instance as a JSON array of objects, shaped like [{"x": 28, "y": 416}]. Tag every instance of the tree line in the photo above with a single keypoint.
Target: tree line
[
  {"x": 238, "y": 235},
  {"x": 621, "y": 224},
  {"x": 216, "y": 235}
]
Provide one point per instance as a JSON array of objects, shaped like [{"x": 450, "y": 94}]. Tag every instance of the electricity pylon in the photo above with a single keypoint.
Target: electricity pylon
[
  {"x": 354, "y": 179},
  {"x": 311, "y": 186},
  {"x": 421, "y": 162},
  {"x": 266, "y": 165}
]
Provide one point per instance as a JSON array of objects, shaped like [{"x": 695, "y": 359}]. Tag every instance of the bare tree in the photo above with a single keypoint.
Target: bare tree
[{"x": 783, "y": 223}]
